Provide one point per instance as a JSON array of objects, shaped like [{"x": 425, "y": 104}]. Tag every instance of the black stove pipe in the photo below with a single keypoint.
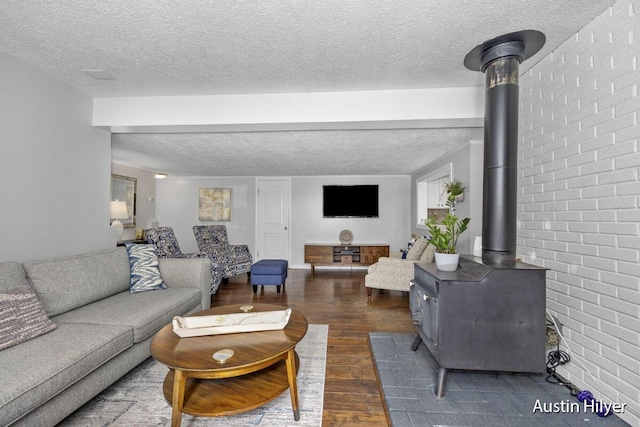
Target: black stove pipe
[{"x": 500, "y": 60}]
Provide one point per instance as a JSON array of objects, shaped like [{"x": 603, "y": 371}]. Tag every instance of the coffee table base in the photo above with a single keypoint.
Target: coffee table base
[{"x": 234, "y": 395}]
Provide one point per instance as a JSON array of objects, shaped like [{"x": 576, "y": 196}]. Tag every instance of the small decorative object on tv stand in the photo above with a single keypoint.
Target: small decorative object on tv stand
[{"x": 346, "y": 237}]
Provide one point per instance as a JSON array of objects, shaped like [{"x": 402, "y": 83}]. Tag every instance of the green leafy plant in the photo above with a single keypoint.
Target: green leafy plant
[
  {"x": 445, "y": 241},
  {"x": 454, "y": 188},
  {"x": 455, "y": 193}
]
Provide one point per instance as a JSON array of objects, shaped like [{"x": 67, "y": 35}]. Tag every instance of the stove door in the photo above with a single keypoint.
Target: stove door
[
  {"x": 424, "y": 311},
  {"x": 430, "y": 317}
]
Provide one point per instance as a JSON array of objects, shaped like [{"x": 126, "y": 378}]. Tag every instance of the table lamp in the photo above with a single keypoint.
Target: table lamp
[{"x": 118, "y": 211}]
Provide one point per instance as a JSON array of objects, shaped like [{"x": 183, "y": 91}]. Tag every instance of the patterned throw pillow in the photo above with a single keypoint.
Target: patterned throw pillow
[
  {"x": 417, "y": 249},
  {"x": 145, "y": 272},
  {"x": 22, "y": 317}
]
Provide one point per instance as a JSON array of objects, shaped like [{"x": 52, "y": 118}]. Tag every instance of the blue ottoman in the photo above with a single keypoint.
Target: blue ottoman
[{"x": 269, "y": 272}]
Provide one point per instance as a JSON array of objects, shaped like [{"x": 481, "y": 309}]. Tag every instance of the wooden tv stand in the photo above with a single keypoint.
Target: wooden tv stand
[{"x": 343, "y": 255}]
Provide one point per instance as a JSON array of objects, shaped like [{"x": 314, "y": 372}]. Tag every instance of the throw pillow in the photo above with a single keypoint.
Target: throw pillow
[
  {"x": 417, "y": 248},
  {"x": 429, "y": 254},
  {"x": 145, "y": 271},
  {"x": 22, "y": 317}
]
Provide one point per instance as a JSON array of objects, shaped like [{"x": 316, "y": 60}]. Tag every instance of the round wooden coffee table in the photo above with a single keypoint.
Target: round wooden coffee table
[{"x": 264, "y": 365}]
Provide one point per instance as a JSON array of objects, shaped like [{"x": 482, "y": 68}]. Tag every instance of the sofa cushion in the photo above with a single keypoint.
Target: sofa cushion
[
  {"x": 417, "y": 248},
  {"x": 37, "y": 370},
  {"x": 12, "y": 275},
  {"x": 145, "y": 312},
  {"x": 63, "y": 284},
  {"x": 21, "y": 317},
  {"x": 145, "y": 273}
]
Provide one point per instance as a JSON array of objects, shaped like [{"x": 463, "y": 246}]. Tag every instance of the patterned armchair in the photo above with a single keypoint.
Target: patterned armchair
[
  {"x": 167, "y": 246},
  {"x": 233, "y": 259},
  {"x": 395, "y": 272}
]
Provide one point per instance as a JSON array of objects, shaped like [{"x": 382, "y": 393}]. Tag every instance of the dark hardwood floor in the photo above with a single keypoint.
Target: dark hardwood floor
[{"x": 337, "y": 298}]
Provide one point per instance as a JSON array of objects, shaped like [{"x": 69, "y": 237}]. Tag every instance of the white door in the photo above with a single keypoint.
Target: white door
[{"x": 273, "y": 218}]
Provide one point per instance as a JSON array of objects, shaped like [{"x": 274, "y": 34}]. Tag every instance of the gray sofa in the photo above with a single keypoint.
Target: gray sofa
[{"x": 102, "y": 331}]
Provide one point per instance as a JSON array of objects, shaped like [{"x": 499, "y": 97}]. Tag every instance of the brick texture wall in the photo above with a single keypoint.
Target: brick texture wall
[{"x": 579, "y": 194}]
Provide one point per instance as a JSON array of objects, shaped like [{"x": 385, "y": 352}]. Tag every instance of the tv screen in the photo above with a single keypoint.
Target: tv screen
[{"x": 350, "y": 201}]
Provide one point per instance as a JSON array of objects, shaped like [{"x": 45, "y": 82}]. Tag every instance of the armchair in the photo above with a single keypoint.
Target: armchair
[
  {"x": 167, "y": 246},
  {"x": 395, "y": 272},
  {"x": 233, "y": 259}
]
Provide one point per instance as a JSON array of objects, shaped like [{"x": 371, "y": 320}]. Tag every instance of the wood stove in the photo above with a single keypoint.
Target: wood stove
[
  {"x": 485, "y": 316},
  {"x": 489, "y": 315}
]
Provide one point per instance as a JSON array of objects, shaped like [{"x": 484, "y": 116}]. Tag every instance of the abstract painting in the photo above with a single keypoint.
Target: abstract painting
[{"x": 214, "y": 204}]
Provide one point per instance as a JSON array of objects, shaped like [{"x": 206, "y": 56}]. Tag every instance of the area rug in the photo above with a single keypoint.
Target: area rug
[
  {"x": 137, "y": 399},
  {"x": 472, "y": 398}
]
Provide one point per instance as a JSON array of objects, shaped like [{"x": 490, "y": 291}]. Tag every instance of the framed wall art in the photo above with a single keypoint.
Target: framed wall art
[{"x": 214, "y": 204}]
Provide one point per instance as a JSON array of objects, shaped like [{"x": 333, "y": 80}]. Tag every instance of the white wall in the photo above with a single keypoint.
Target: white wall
[
  {"x": 54, "y": 168},
  {"x": 392, "y": 227},
  {"x": 177, "y": 207},
  {"x": 578, "y": 207}
]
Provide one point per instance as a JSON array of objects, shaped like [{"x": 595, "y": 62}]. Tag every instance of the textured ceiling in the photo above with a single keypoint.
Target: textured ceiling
[
  {"x": 196, "y": 47},
  {"x": 339, "y": 152}
]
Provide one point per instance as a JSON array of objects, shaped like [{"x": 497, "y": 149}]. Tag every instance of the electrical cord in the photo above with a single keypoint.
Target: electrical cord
[{"x": 554, "y": 359}]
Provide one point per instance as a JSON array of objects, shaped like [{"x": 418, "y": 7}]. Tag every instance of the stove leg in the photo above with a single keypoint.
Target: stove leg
[
  {"x": 442, "y": 380},
  {"x": 416, "y": 343}
]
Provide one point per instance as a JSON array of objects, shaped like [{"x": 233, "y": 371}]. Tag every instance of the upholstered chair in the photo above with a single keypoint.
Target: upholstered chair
[
  {"x": 164, "y": 239},
  {"x": 233, "y": 259},
  {"x": 395, "y": 272}
]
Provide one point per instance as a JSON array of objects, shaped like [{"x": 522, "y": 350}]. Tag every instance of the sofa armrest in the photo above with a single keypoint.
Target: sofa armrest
[
  {"x": 395, "y": 254},
  {"x": 401, "y": 268},
  {"x": 188, "y": 273},
  {"x": 396, "y": 261}
]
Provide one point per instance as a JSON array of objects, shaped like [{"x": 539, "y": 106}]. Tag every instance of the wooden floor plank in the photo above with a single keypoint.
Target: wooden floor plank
[
  {"x": 339, "y": 419},
  {"x": 348, "y": 385},
  {"x": 335, "y": 357}
]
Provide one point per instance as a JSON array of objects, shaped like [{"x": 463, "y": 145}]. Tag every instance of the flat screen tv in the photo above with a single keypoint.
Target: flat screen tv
[{"x": 356, "y": 201}]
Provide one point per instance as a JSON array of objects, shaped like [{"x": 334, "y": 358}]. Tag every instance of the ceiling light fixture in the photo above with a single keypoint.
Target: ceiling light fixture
[{"x": 161, "y": 175}]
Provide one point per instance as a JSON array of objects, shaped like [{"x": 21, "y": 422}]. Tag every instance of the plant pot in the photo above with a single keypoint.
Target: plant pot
[{"x": 447, "y": 262}]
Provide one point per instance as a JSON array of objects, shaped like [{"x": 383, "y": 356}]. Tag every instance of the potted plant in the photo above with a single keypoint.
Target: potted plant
[
  {"x": 455, "y": 191},
  {"x": 445, "y": 240}
]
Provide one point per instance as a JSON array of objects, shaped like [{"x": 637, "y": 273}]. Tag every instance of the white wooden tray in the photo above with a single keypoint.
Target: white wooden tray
[{"x": 195, "y": 326}]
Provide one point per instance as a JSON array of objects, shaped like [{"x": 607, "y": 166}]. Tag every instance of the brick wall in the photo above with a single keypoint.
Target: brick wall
[{"x": 579, "y": 194}]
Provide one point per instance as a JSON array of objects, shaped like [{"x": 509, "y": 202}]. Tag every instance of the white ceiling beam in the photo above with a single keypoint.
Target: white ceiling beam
[{"x": 388, "y": 109}]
